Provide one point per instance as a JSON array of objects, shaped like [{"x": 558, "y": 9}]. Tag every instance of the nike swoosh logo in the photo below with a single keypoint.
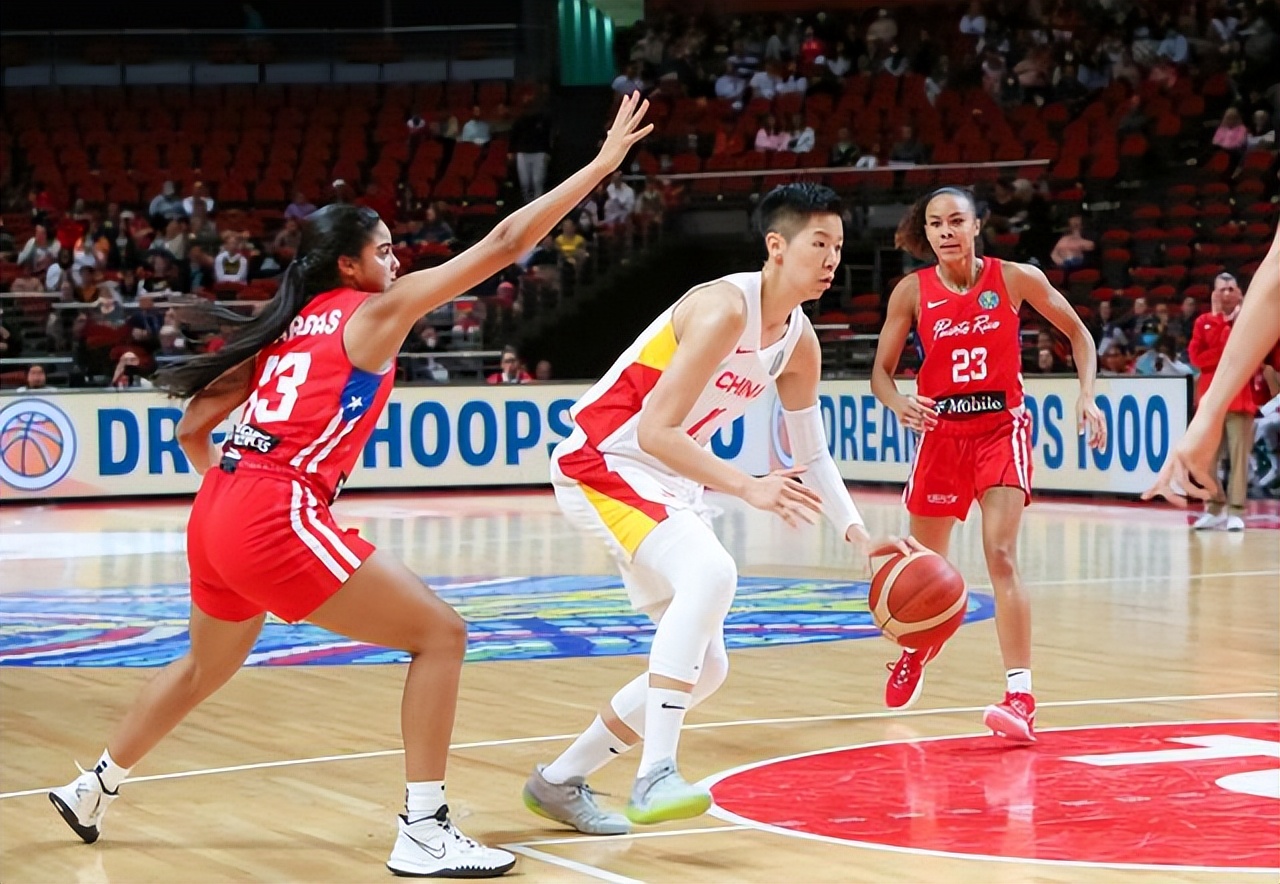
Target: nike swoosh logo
[
  {"x": 744, "y": 351},
  {"x": 933, "y": 304},
  {"x": 436, "y": 853},
  {"x": 669, "y": 706}
]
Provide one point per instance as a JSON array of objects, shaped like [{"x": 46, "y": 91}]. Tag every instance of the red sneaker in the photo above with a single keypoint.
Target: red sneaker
[
  {"x": 1014, "y": 719},
  {"x": 906, "y": 678}
]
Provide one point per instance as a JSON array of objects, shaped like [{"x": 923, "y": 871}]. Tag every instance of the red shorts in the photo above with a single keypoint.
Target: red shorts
[
  {"x": 260, "y": 540},
  {"x": 959, "y": 460}
]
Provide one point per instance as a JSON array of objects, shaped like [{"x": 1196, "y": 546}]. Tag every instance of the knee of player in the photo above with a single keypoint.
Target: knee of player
[
  {"x": 1002, "y": 560},
  {"x": 443, "y": 634},
  {"x": 715, "y": 668},
  {"x": 718, "y": 575}
]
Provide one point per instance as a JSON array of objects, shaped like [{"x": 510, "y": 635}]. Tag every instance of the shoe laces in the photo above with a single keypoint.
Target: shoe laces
[{"x": 902, "y": 670}]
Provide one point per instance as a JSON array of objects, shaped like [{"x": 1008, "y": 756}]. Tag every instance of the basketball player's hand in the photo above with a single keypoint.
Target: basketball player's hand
[
  {"x": 625, "y": 131},
  {"x": 1189, "y": 471},
  {"x": 917, "y": 412},
  {"x": 781, "y": 493},
  {"x": 1089, "y": 420}
]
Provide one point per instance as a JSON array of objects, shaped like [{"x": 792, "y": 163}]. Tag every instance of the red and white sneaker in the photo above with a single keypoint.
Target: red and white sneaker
[
  {"x": 1014, "y": 719},
  {"x": 906, "y": 678}
]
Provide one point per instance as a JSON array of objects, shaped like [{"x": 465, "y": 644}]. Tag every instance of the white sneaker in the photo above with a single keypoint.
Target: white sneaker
[
  {"x": 1209, "y": 522},
  {"x": 432, "y": 848},
  {"x": 1235, "y": 523},
  {"x": 83, "y": 802}
]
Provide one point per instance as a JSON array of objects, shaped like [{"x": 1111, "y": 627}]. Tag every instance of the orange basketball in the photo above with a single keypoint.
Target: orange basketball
[{"x": 918, "y": 600}]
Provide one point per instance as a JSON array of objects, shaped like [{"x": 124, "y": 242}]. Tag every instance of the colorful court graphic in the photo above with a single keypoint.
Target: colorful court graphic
[{"x": 510, "y": 618}]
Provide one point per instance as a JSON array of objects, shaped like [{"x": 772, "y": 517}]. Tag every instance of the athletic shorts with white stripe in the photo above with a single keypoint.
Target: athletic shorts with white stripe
[
  {"x": 259, "y": 539},
  {"x": 960, "y": 460}
]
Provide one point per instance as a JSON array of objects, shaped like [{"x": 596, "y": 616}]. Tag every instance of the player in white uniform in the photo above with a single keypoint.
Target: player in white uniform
[{"x": 633, "y": 473}]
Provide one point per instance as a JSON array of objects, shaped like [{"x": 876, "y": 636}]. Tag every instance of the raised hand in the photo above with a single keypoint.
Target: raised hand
[{"x": 624, "y": 132}]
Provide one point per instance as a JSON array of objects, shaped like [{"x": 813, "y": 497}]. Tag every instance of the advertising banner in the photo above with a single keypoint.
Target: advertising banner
[{"x": 110, "y": 444}]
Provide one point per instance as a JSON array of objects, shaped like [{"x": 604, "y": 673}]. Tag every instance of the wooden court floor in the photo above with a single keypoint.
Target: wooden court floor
[{"x": 292, "y": 772}]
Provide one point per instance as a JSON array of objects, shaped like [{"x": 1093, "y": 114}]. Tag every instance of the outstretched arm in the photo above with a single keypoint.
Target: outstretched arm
[
  {"x": 1190, "y": 469},
  {"x": 373, "y": 336},
  {"x": 1030, "y": 285}
]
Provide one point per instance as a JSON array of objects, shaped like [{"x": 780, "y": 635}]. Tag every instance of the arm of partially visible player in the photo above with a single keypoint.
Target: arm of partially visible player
[
  {"x": 707, "y": 328},
  {"x": 374, "y": 334},
  {"x": 1029, "y": 284},
  {"x": 209, "y": 408},
  {"x": 914, "y": 412},
  {"x": 798, "y": 393},
  {"x": 1191, "y": 467}
]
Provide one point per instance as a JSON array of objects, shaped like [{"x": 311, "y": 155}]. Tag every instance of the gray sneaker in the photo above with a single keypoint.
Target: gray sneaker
[
  {"x": 572, "y": 803},
  {"x": 662, "y": 795}
]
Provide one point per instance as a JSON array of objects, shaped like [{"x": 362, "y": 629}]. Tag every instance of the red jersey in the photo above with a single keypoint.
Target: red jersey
[
  {"x": 312, "y": 411},
  {"x": 972, "y": 345}
]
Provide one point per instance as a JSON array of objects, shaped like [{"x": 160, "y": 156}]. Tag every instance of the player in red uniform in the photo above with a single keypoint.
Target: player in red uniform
[
  {"x": 968, "y": 406},
  {"x": 316, "y": 367}
]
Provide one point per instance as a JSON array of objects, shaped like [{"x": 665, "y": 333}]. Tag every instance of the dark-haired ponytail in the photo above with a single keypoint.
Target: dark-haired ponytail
[
  {"x": 911, "y": 236},
  {"x": 327, "y": 234}
]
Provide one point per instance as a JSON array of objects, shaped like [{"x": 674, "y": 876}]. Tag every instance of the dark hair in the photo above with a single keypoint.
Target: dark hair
[
  {"x": 787, "y": 207},
  {"x": 911, "y": 236},
  {"x": 327, "y": 234}
]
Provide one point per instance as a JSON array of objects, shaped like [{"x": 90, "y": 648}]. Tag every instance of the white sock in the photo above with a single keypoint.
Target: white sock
[
  {"x": 663, "y": 716},
  {"x": 423, "y": 799},
  {"x": 1019, "y": 681},
  {"x": 594, "y": 748},
  {"x": 110, "y": 773}
]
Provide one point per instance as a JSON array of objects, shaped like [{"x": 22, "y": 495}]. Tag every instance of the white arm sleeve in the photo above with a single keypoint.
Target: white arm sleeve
[{"x": 809, "y": 448}]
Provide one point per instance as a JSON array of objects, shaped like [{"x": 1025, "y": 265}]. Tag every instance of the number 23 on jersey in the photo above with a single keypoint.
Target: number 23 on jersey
[
  {"x": 968, "y": 365},
  {"x": 272, "y": 402}
]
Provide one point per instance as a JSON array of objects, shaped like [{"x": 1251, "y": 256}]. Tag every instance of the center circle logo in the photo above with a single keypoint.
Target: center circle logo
[
  {"x": 37, "y": 444},
  {"x": 508, "y": 618}
]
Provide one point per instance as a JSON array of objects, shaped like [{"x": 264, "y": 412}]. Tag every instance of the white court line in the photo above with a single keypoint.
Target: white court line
[
  {"x": 630, "y": 836},
  {"x": 709, "y": 725},
  {"x": 571, "y": 865}
]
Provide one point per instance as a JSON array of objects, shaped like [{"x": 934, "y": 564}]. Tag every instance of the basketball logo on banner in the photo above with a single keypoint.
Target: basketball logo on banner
[{"x": 37, "y": 444}]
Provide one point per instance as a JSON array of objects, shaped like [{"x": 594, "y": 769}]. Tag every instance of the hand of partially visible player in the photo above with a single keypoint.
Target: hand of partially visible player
[
  {"x": 1189, "y": 469},
  {"x": 916, "y": 412},
  {"x": 624, "y": 132},
  {"x": 887, "y": 545},
  {"x": 1089, "y": 420},
  {"x": 781, "y": 493}
]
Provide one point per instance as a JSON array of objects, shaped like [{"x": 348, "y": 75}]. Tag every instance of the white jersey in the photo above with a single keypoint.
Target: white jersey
[{"x": 607, "y": 417}]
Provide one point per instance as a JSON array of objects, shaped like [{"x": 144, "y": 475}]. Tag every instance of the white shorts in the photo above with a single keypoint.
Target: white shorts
[{"x": 621, "y": 502}]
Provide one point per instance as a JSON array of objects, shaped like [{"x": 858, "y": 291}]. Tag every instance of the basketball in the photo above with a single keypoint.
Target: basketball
[{"x": 918, "y": 600}]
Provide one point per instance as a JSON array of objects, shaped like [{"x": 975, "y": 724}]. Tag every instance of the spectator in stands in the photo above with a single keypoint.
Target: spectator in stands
[
  {"x": 591, "y": 217},
  {"x": 36, "y": 380},
  {"x": 908, "y": 149},
  {"x": 40, "y": 252},
  {"x": 230, "y": 265},
  {"x": 764, "y": 83},
  {"x": 1045, "y": 362},
  {"x": 802, "y": 135},
  {"x": 90, "y": 287},
  {"x": 381, "y": 202},
  {"x": 476, "y": 129},
  {"x": 728, "y": 141},
  {"x": 59, "y": 270},
  {"x": 1231, "y": 135},
  {"x": 1072, "y": 247},
  {"x": 840, "y": 62},
  {"x": 344, "y": 192},
  {"x": 650, "y": 208},
  {"x": 621, "y": 202},
  {"x": 176, "y": 237},
  {"x": 172, "y": 343},
  {"x": 531, "y": 144},
  {"x": 571, "y": 245},
  {"x": 512, "y": 372},
  {"x": 1182, "y": 325},
  {"x": 300, "y": 208},
  {"x": 729, "y": 86},
  {"x": 845, "y": 151},
  {"x": 1262, "y": 136},
  {"x": 201, "y": 193},
  {"x": 1174, "y": 46},
  {"x": 881, "y": 32},
  {"x": 286, "y": 242},
  {"x": 165, "y": 205},
  {"x": 542, "y": 372},
  {"x": 1162, "y": 360},
  {"x": 435, "y": 229},
  {"x": 165, "y": 275},
  {"x": 200, "y": 269},
  {"x": 144, "y": 324},
  {"x": 769, "y": 137},
  {"x": 973, "y": 23},
  {"x": 629, "y": 81},
  {"x": 128, "y": 373},
  {"x": 500, "y": 122},
  {"x": 1207, "y": 343},
  {"x": 793, "y": 81},
  {"x": 1112, "y": 362},
  {"x": 107, "y": 310}
]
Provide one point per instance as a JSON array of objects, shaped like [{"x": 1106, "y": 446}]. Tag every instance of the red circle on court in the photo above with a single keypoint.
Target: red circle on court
[{"x": 1194, "y": 795}]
